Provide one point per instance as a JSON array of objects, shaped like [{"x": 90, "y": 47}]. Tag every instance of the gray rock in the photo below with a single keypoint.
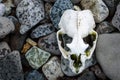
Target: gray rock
[
  {"x": 29, "y": 13},
  {"x": 108, "y": 54},
  {"x": 116, "y": 18},
  {"x": 2, "y": 9},
  {"x": 105, "y": 27},
  {"x": 4, "y": 45},
  {"x": 36, "y": 57},
  {"x": 98, "y": 8},
  {"x": 50, "y": 0},
  {"x": 75, "y": 1},
  {"x": 48, "y": 6},
  {"x": 52, "y": 69},
  {"x": 49, "y": 43},
  {"x": 10, "y": 67},
  {"x": 16, "y": 2},
  {"x": 111, "y": 4},
  {"x": 58, "y": 9},
  {"x": 34, "y": 75},
  {"x": 3, "y": 53},
  {"x": 6, "y": 26},
  {"x": 42, "y": 30},
  {"x": 87, "y": 76}
]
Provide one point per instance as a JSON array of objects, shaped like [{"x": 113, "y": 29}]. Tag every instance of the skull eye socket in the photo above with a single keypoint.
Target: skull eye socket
[
  {"x": 65, "y": 39},
  {"x": 73, "y": 57},
  {"x": 90, "y": 39}
]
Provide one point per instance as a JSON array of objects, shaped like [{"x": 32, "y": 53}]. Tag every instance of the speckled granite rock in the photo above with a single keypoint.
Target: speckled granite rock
[
  {"x": 111, "y": 4},
  {"x": 29, "y": 13},
  {"x": 34, "y": 75},
  {"x": 3, "y": 53},
  {"x": 42, "y": 30},
  {"x": 52, "y": 69},
  {"x": 10, "y": 67},
  {"x": 58, "y": 9},
  {"x": 6, "y": 26},
  {"x": 98, "y": 8},
  {"x": 4, "y": 45},
  {"x": 108, "y": 54},
  {"x": 2, "y": 9},
  {"x": 116, "y": 18},
  {"x": 36, "y": 57},
  {"x": 87, "y": 76},
  {"x": 49, "y": 43},
  {"x": 105, "y": 27}
]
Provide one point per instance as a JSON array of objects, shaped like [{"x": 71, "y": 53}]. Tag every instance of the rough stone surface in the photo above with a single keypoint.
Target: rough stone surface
[
  {"x": 49, "y": 43},
  {"x": 108, "y": 54},
  {"x": 4, "y": 45},
  {"x": 58, "y": 9},
  {"x": 3, "y": 53},
  {"x": 29, "y": 13},
  {"x": 10, "y": 67},
  {"x": 34, "y": 75},
  {"x": 50, "y": 0},
  {"x": 52, "y": 69},
  {"x": 75, "y": 1},
  {"x": 6, "y": 26},
  {"x": 116, "y": 18},
  {"x": 105, "y": 27},
  {"x": 48, "y": 6},
  {"x": 42, "y": 30},
  {"x": 2, "y": 9},
  {"x": 98, "y": 72},
  {"x": 98, "y": 8},
  {"x": 36, "y": 57},
  {"x": 87, "y": 76},
  {"x": 111, "y": 4}
]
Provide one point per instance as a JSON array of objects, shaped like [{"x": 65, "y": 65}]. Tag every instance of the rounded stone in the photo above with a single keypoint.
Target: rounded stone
[
  {"x": 58, "y": 9},
  {"x": 98, "y": 8},
  {"x": 6, "y": 26},
  {"x": 108, "y": 54}
]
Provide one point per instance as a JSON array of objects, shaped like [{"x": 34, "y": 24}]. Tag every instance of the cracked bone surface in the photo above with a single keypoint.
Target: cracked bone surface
[{"x": 76, "y": 38}]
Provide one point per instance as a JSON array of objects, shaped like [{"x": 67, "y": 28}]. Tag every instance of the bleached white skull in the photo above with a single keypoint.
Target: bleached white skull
[{"x": 76, "y": 38}]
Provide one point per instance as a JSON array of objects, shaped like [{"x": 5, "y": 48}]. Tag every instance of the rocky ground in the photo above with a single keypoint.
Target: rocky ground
[{"x": 28, "y": 43}]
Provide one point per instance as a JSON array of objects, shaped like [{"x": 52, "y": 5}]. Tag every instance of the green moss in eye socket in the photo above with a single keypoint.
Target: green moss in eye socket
[
  {"x": 87, "y": 52},
  {"x": 73, "y": 57},
  {"x": 93, "y": 36}
]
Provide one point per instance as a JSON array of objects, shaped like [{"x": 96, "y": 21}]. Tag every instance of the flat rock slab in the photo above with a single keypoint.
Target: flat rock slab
[
  {"x": 36, "y": 57},
  {"x": 108, "y": 54},
  {"x": 42, "y": 30},
  {"x": 52, "y": 69},
  {"x": 58, "y": 9},
  {"x": 49, "y": 43},
  {"x": 116, "y": 18},
  {"x": 34, "y": 75},
  {"x": 29, "y": 13},
  {"x": 6, "y": 26},
  {"x": 10, "y": 67}
]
